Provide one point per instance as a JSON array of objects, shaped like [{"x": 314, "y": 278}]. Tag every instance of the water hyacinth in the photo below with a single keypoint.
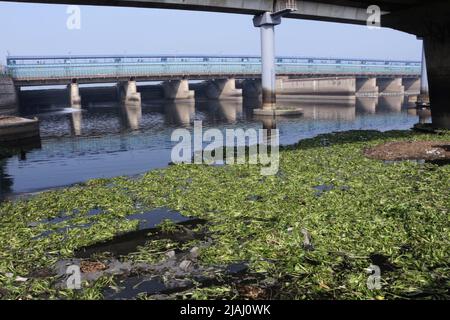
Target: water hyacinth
[{"x": 367, "y": 212}]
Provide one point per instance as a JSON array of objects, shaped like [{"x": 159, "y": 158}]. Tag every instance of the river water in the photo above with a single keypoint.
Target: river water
[{"x": 107, "y": 140}]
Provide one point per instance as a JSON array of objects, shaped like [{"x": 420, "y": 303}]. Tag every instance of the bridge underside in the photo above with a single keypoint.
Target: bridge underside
[{"x": 324, "y": 10}]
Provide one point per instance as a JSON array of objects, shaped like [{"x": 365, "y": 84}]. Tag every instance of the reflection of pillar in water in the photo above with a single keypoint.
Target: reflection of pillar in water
[
  {"x": 366, "y": 105},
  {"x": 412, "y": 112},
  {"x": 424, "y": 115},
  {"x": 132, "y": 113},
  {"x": 390, "y": 103},
  {"x": 269, "y": 125},
  {"x": 228, "y": 110},
  {"x": 6, "y": 181},
  {"x": 76, "y": 121},
  {"x": 179, "y": 113}
]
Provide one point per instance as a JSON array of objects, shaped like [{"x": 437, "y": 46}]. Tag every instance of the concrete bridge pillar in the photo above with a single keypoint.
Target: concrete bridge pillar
[
  {"x": 74, "y": 95},
  {"x": 252, "y": 89},
  {"x": 8, "y": 96},
  {"x": 177, "y": 89},
  {"x": 127, "y": 92},
  {"x": 424, "y": 89},
  {"x": 220, "y": 89},
  {"x": 437, "y": 51},
  {"x": 267, "y": 22},
  {"x": 367, "y": 86},
  {"x": 390, "y": 86},
  {"x": 412, "y": 86}
]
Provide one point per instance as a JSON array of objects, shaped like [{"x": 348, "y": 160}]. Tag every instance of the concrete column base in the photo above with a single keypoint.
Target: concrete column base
[
  {"x": 222, "y": 89},
  {"x": 177, "y": 90},
  {"x": 74, "y": 96},
  {"x": 128, "y": 93},
  {"x": 366, "y": 87}
]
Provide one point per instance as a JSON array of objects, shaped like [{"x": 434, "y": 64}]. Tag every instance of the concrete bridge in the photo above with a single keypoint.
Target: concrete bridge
[
  {"x": 56, "y": 70},
  {"x": 429, "y": 21},
  {"x": 226, "y": 76}
]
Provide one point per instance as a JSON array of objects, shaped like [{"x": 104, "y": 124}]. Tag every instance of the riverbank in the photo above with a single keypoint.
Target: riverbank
[{"x": 310, "y": 232}]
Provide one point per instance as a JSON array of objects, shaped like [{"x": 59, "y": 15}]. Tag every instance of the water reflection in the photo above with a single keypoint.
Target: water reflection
[
  {"x": 131, "y": 115},
  {"x": 390, "y": 103},
  {"x": 76, "y": 119},
  {"x": 6, "y": 181},
  {"x": 180, "y": 113},
  {"x": 19, "y": 158},
  {"x": 366, "y": 105},
  {"x": 226, "y": 111},
  {"x": 423, "y": 114},
  {"x": 109, "y": 139}
]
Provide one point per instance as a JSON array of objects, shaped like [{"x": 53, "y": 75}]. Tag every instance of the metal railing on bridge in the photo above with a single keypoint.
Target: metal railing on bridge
[{"x": 69, "y": 67}]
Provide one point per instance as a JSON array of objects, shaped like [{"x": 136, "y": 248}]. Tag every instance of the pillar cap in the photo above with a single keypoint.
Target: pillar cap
[{"x": 266, "y": 19}]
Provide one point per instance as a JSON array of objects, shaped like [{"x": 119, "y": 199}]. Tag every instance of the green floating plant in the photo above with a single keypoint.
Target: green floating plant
[{"x": 356, "y": 212}]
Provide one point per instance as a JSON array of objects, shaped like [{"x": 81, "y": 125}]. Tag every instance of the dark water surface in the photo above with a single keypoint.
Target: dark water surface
[{"x": 107, "y": 140}]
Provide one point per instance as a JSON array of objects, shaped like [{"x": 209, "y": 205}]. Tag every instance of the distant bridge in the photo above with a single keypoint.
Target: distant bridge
[
  {"x": 429, "y": 21},
  {"x": 52, "y": 70}
]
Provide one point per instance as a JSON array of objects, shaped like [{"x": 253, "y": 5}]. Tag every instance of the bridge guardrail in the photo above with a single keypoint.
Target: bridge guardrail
[{"x": 59, "y": 68}]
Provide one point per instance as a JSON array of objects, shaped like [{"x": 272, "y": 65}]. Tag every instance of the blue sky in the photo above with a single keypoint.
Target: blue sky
[{"x": 37, "y": 29}]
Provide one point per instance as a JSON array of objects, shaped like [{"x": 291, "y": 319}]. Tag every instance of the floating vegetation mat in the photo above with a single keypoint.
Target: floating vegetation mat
[{"x": 309, "y": 232}]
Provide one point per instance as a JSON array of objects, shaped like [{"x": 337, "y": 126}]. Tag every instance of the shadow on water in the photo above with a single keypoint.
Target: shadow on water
[
  {"x": 148, "y": 229},
  {"x": 131, "y": 287}
]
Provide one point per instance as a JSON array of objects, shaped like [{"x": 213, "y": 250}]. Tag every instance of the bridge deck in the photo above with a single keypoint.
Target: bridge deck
[{"x": 60, "y": 69}]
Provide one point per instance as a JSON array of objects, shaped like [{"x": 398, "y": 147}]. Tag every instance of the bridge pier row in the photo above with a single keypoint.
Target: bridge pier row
[
  {"x": 367, "y": 87},
  {"x": 390, "y": 86},
  {"x": 128, "y": 94},
  {"x": 74, "y": 95},
  {"x": 221, "y": 89},
  {"x": 177, "y": 90}
]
